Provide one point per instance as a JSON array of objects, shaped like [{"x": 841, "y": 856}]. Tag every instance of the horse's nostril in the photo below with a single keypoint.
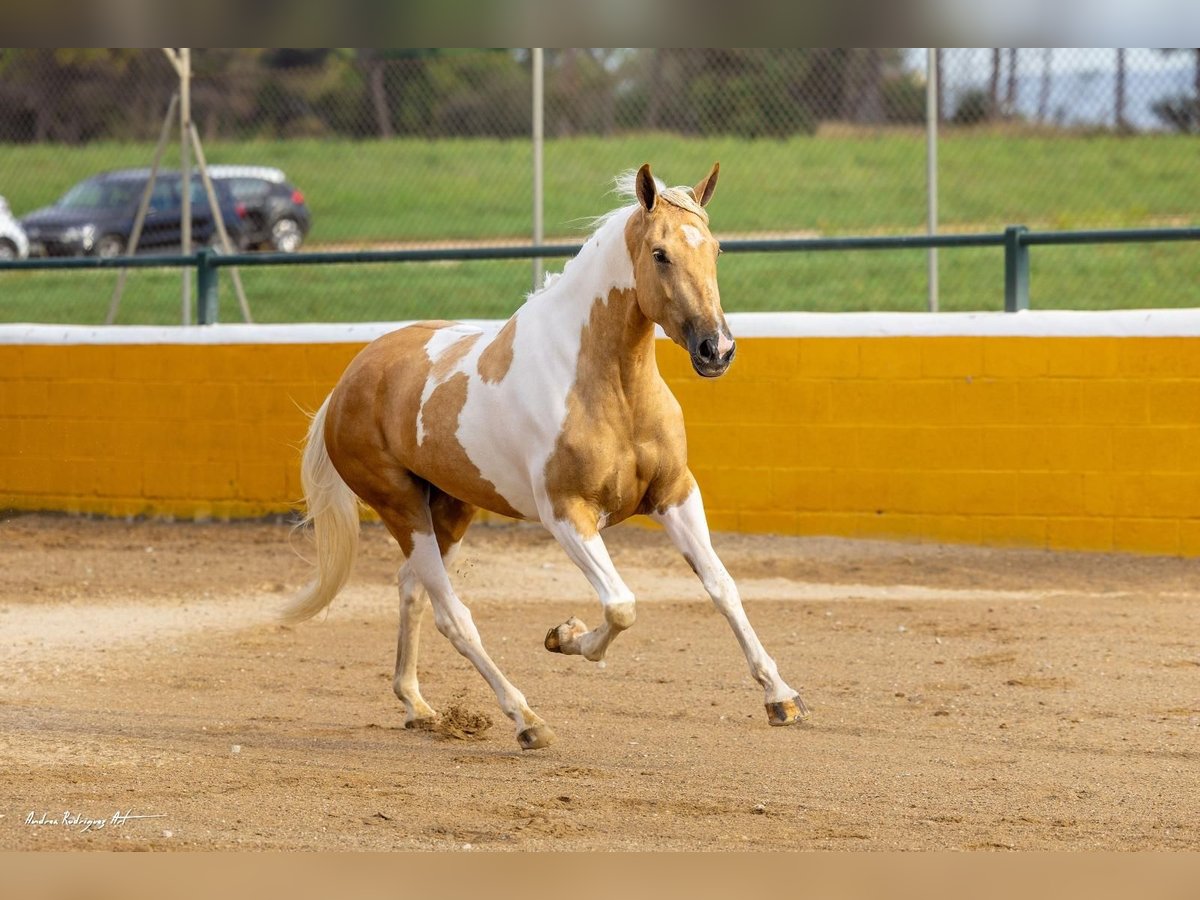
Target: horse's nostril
[
  {"x": 708, "y": 349},
  {"x": 729, "y": 353}
]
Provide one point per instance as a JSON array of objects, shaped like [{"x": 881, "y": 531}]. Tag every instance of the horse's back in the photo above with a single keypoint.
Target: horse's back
[
  {"x": 396, "y": 410},
  {"x": 394, "y": 366}
]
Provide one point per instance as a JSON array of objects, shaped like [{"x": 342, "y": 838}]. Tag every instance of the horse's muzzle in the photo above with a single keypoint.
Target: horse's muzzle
[{"x": 712, "y": 354}]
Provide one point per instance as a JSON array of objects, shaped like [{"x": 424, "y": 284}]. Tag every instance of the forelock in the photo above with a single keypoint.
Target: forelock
[{"x": 681, "y": 196}]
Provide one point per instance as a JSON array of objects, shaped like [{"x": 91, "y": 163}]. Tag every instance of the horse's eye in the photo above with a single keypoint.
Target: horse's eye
[{"x": 660, "y": 256}]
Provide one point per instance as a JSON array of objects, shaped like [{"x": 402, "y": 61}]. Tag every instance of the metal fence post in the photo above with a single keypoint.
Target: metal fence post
[
  {"x": 931, "y": 173},
  {"x": 539, "y": 141},
  {"x": 207, "y": 298},
  {"x": 1016, "y": 269}
]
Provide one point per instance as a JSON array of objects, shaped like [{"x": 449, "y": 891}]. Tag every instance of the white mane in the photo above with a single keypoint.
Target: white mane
[{"x": 625, "y": 187}]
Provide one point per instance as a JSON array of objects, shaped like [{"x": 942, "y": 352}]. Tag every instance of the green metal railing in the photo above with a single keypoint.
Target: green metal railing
[{"x": 1016, "y": 241}]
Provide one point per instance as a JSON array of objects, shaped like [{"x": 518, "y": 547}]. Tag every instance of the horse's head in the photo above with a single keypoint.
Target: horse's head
[{"x": 675, "y": 269}]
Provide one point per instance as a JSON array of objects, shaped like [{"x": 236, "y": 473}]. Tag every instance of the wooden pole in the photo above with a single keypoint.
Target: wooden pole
[
  {"x": 143, "y": 206},
  {"x": 219, "y": 221},
  {"x": 185, "y": 175}
]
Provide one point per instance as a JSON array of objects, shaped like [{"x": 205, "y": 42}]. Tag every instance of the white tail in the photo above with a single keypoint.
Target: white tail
[{"x": 332, "y": 509}]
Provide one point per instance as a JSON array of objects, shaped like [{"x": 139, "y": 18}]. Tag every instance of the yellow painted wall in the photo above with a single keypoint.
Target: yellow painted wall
[
  {"x": 1081, "y": 443},
  {"x": 1063, "y": 442},
  {"x": 185, "y": 431}
]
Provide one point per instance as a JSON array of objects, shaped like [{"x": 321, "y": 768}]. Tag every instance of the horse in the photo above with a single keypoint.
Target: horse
[{"x": 558, "y": 416}]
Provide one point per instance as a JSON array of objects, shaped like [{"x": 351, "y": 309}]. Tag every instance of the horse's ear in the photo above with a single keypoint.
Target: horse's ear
[
  {"x": 704, "y": 189},
  {"x": 647, "y": 191}
]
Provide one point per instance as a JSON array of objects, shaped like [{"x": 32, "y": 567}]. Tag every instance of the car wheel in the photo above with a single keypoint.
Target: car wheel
[
  {"x": 8, "y": 250},
  {"x": 110, "y": 245},
  {"x": 286, "y": 236}
]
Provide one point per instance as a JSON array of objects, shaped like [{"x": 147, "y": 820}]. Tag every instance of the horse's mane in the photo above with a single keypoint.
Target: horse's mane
[{"x": 625, "y": 187}]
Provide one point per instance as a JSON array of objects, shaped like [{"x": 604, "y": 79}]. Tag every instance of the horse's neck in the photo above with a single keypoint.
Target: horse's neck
[{"x": 589, "y": 315}]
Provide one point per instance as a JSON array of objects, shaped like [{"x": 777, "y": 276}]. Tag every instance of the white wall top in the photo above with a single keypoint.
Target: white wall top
[{"x": 1030, "y": 323}]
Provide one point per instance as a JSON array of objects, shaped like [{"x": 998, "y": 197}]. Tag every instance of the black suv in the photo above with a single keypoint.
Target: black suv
[
  {"x": 95, "y": 218},
  {"x": 276, "y": 215}
]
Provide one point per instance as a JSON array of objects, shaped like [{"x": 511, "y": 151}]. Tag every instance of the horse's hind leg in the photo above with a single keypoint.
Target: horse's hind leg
[
  {"x": 413, "y": 524},
  {"x": 412, "y": 610},
  {"x": 451, "y": 518}
]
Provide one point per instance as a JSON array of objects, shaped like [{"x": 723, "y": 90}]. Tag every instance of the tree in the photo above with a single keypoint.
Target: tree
[
  {"x": 74, "y": 95},
  {"x": 376, "y": 66},
  {"x": 1010, "y": 92},
  {"x": 1182, "y": 112},
  {"x": 1044, "y": 84},
  {"x": 866, "y": 90},
  {"x": 994, "y": 83}
]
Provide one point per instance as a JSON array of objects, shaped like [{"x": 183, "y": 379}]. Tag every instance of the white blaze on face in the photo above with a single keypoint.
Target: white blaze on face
[{"x": 693, "y": 235}]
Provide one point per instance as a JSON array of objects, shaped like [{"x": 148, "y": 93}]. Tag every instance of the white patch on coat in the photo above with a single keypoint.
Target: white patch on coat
[
  {"x": 443, "y": 338},
  {"x": 509, "y": 428},
  {"x": 693, "y": 235},
  {"x": 439, "y": 342}
]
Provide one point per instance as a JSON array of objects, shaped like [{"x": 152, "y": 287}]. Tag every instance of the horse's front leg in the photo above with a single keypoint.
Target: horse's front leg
[
  {"x": 687, "y": 527},
  {"x": 579, "y": 536}
]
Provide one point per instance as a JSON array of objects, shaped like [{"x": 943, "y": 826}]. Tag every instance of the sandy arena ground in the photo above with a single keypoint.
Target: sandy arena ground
[{"x": 962, "y": 698}]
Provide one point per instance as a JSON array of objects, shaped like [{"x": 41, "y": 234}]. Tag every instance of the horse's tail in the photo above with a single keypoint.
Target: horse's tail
[{"x": 332, "y": 509}]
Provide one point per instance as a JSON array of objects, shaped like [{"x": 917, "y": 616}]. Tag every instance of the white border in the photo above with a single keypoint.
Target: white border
[
  {"x": 1028, "y": 323},
  {"x": 1032, "y": 323}
]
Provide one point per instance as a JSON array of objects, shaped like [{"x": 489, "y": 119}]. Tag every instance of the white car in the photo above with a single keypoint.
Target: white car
[{"x": 13, "y": 243}]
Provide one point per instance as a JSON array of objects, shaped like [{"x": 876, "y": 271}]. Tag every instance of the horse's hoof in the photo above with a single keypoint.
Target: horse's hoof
[
  {"x": 787, "y": 712},
  {"x": 564, "y": 638},
  {"x": 422, "y": 723},
  {"x": 536, "y": 737}
]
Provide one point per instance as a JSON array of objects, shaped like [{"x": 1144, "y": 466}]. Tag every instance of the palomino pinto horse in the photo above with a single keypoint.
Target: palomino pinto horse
[{"x": 559, "y": 416}]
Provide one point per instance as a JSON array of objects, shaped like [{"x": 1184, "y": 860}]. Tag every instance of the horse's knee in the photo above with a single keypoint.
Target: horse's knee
[
  {"x": 457, "y": 627},
  {"x": 620, "y": 615},
  {"x": 448, "y": 627}
]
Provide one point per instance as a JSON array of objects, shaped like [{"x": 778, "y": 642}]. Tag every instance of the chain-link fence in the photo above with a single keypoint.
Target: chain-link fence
[{"x": 413, "y": 148}]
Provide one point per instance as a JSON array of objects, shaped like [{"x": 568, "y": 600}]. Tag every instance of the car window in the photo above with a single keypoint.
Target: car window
[
  {"x": 200, "y": 196},
  {"x": 121, "y": 195},
  {"x": 163, "y": 196},
  {"x": 247, "y": 188},
  {"x": 99, "y": 195}
]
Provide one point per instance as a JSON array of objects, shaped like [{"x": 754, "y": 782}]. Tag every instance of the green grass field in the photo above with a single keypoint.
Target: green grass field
[{"x": 419, "y": 191}]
